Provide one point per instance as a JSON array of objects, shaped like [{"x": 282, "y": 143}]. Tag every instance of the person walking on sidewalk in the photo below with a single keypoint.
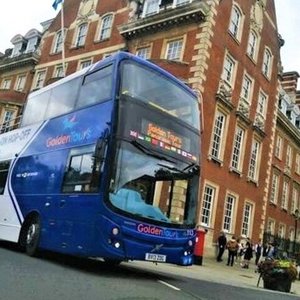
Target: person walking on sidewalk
[
  {"x": 258, "y": 250},
  {"x": 222, "y": 241},
  {"x": 248, "y": 255},
  {"x": 232, "y": 246}
]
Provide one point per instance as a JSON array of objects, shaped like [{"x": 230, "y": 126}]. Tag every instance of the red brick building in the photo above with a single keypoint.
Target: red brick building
[
  {"x": 16, "y": 74},
  {"x": 229, "y": 51},
  {"x": 17, "y": 66},
  {"x": 283, "y": 204}
]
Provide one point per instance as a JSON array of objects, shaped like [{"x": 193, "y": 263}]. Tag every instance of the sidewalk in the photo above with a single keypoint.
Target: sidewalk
[{"x": 214, "y": 271}]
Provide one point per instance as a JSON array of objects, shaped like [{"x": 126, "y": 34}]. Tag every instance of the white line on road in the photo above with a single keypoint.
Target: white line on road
[{"x": 169, "y": 285}]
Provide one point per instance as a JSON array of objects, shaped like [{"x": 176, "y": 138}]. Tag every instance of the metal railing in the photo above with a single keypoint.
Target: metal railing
[{"x": 290, "y": 247}]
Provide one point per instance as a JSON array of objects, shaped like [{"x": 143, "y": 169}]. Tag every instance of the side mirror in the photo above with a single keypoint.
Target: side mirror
[{"x": 101, "y": 145}]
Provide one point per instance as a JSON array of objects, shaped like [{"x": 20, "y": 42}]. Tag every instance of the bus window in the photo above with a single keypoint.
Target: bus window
[
  {"x": 82, "y": 174},
  {"x": 96, "y": 87},
  {"x": 62, "y": 98},
  {"x": 4, "y": 166},
  {"x": 151, "y": 187},
  {"x": 36, "y": 108},
  {"x": 159, "y": 92}
]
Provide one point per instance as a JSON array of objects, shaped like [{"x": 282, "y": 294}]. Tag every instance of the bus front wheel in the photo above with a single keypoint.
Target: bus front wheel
[
  {"x": 31, "y": 236},
  {"x": 112, "y": 262}
]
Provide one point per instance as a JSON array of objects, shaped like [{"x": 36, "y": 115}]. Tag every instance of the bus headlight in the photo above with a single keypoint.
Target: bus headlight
[
  {"x": 185, "y": 253},
  {"x": 117, "y": 245},
  {"x": 190, "y": 243},
  {"x": 115, "y": 231}
]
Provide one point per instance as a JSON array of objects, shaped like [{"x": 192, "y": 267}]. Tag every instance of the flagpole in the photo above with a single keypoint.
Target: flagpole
[{"x": 63, "y": 38}]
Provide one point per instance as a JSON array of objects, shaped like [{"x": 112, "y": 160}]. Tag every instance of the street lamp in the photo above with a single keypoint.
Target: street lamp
[{"x": 296, "y": 215}]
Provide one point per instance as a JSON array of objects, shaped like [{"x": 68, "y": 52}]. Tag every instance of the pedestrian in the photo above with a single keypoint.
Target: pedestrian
[
  {"x": 271, "y": 251},
  {"x": 222, "y": 241},
  {"x": 247, "y": 255},
  {"x": 237, "y": 257},
  {"x": 241, "y": 251},
  {"x": 258, "y": 251},
  {"x": 232, "y": 246},
  {"x": 266, "y": 248}
]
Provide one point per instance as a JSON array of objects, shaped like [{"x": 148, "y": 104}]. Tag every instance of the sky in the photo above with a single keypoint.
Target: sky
[{"x": 19, "y": 16}]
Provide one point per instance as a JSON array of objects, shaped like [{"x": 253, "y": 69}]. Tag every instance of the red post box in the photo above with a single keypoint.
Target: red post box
[{"x": 199, "y": 246}]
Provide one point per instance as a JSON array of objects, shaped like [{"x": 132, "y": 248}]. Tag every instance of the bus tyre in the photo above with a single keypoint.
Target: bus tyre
[
  {"x": 32, "y": 236},
  {"x": 112, "y": 262}
]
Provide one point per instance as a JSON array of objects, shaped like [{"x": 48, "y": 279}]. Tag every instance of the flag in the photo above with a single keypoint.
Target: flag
[{"x": 55, "y": 3}]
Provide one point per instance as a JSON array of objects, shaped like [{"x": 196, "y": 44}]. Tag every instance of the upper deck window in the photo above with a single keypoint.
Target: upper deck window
[
  {"x": 69, "y": 95},
  {"x": 160, "y": 92}
]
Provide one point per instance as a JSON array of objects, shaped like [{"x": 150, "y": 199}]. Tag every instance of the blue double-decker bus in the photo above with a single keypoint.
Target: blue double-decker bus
[{"x": 105, "y": 164}]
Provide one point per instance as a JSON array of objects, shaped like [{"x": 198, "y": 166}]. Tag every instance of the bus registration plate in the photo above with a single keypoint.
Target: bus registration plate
[{"x": 155, "y": 257}]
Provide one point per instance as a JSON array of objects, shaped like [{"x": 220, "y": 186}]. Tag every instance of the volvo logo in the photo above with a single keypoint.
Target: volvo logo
[{"x": 157, "y": 248}]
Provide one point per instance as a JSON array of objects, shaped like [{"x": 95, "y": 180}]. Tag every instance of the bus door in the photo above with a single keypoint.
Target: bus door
[{"x": 79, "y": 200}]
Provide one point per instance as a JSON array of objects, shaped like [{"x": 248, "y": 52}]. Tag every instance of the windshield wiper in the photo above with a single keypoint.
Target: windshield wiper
[
  {"x": 192, "y": 169},
  {"x": 149, "y": 152},
  {"x": 171, "y": 168}
]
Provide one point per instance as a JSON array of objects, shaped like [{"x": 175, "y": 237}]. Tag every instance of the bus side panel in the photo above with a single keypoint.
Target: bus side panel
[
  {"x": 67, "y": 219},
  {"x": 69, "y": 223},
  {"x": 9, "y": 222},
  {"x": 12, "y": 144}
]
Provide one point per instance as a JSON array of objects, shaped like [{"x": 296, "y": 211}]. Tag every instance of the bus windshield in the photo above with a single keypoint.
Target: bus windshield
[
  {"x": 149, "y": 185},
  {"x": 159, "y": 91}
]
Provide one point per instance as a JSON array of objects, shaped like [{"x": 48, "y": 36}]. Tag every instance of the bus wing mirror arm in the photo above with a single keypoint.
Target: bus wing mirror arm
[{"x": 100, "y": 145}]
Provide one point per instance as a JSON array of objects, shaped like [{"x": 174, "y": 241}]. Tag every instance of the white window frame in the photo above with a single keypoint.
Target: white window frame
[
  {"x": 267, "y": 63},
  {"x": 281, "y": 230},
  {"x": 58, "y": 42},
  {"x": 31, "y": 45},
  {"x": 252, "y": 45},
  {"x": 84, "y": 63},
  {"x": 291, "y": 238},
  {"x": 174, "y": 50},
  {"x": 7, "y": 117},
  {"x": 151, "y": 7},
  {"x": 181, "y": 2},
  {"x": 262, "y": 104},
  {"x": 143, "y": 52},
  {"x": 6, "y": 83},
  {"x": 247, "y": 219},
  {"x": 297, "y": 163},
  {"x": 294, "y": 202},
  {"x": 229, "y": 68},
  {"x": 40, "y": 78},
  {"x": 218, "y": 135},
  {"x": 17, "y": 49},
  {"x": 106, "y": 27},
  {"x": 58, "y": 71},
  {"x": 246, "y": 90},
  {"x": 271, "y": 226},
  {"x": 274, "y": 189},
  {"x": 278, "y": 147},
  {"x": 230, "y": 203},
  {"x": 285, "y": 194},
  {"x": 254, "y": 160},
  {"x": 20, "y": 83},
  {"x": 289, "y": 156},
  {"x": 238, "y": 145},
  {"x": 209, "y": 195},
  {"x": 236, "y": 22},
  {"x": 82, "y": 31}
]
